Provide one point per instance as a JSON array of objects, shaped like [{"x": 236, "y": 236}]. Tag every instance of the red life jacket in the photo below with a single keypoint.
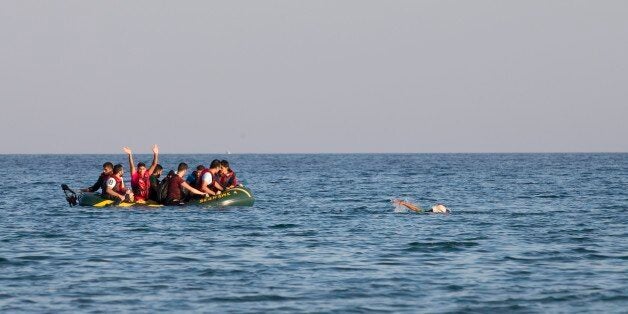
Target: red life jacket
[
  {"x": 118, "y": 188},
  {"x": 142, "y": 186},
  {"x": 227, "y": 180},
  {"x": 199, "y": 179}
]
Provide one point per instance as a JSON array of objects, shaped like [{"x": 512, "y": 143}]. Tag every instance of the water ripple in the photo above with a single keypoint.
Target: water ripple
[{"x": 529, "y": 233}]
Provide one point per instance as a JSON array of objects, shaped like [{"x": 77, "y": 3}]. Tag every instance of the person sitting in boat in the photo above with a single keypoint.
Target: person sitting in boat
[
  {"x": 228, "y": 178},
  {"x": 114, "y": 188},
  {"x": 208, "y": 179},
  {"x": 438, "y": 208},
  {"x": 140, "y": 176},
  {"x": 177, "y": 184},
  {"x": 154, "y": 183},
  {"x": 192, "y": 178},
  {"x": 107, "y": 168}
]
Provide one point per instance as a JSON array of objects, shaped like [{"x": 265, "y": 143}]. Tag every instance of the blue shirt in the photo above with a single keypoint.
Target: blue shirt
[{"x": 191, "y": 179}]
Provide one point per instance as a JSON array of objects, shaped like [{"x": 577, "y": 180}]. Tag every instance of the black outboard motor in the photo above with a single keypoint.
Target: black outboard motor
[{"x": 70, "y": 195}]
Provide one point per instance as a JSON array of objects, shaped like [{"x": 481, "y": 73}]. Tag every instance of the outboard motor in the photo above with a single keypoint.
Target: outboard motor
[{"x": 70, "y": 195}]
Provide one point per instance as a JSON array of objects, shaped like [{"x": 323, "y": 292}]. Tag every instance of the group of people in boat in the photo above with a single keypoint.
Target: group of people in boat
[{"x": 147, "y": 187}]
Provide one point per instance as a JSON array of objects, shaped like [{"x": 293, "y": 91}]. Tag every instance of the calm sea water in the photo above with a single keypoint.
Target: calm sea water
[{"x": 528, "y": 233}]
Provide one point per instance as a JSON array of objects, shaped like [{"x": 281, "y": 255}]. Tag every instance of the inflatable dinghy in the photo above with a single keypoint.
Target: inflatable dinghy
[{"x": 238, "y": 196}]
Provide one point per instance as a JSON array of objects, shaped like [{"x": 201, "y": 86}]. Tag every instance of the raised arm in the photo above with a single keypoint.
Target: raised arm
[
  {"x": 128, "y": 151},
  {"x": 155, "y": 159},
  {"x": 193, "y": 190},
  {"x": 408, "y": 205}
]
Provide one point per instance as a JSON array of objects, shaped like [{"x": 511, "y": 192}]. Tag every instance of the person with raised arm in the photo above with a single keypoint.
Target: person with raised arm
[{"x": 140, "y": 176}]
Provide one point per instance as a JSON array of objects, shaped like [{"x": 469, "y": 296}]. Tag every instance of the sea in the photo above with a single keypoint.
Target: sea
[{"x": 527, "y": 233}]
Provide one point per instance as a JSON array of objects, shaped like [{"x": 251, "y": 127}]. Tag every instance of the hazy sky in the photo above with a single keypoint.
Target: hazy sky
[{"x": 313, "y": 76}]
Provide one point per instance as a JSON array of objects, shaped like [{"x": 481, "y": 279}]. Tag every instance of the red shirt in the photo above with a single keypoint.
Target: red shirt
[{"x": 140, "y": 185}]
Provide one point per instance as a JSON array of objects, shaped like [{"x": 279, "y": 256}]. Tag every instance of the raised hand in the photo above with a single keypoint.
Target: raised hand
[
  {"x": 155, "y": 149},
  {"x": 127, "y": 150}
]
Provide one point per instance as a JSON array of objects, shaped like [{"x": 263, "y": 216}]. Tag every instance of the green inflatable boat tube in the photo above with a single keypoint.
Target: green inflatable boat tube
[{"x": 238, "y": 196}]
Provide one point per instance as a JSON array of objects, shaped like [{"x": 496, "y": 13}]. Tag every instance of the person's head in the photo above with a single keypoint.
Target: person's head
[
  {"x": 200, "y": 168},
  {"x": 182, "y": 168},
  {"x": 215, "y": 165},
  {"x": 107, "y": 167},
  {"x": 118, "y": 170},
  {"x": 440, "y": 208},
  {"x": 224, "y": 167},
  {"x": 158, "y": 170},
  {"x": 141, "y": 167}
]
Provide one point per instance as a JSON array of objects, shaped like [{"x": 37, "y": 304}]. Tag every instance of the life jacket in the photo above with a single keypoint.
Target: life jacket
[
  {"x": 118, "y": 188},
  {"x": 227, "y": 180},
  {"x": 142, "y": 187},
  {"x": 199, "y": 179}
]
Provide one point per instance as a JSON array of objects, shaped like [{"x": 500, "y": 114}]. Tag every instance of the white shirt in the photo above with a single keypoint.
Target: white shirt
[{"x": 207, "y": 178}]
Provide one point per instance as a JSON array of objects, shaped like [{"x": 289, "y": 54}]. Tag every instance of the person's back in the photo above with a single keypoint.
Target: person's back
[
  {"x": 175, "y": 193},
  {"x": 191, "y": 178},
  {"x": 177, "y": 184}
]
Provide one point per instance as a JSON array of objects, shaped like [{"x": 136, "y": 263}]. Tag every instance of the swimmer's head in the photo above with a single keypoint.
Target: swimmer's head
[{"x": 440, "y": 208}]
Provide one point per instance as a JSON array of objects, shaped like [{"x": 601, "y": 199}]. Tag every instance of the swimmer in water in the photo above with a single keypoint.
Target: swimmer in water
[{"x": 438, "y": 208}]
